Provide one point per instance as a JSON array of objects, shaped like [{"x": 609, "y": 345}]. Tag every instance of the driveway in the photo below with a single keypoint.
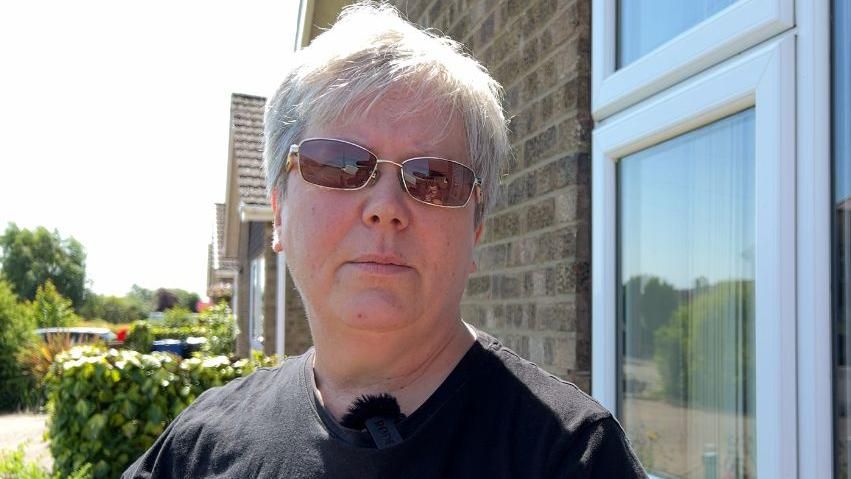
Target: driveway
[{"x": 28, "y": 429}]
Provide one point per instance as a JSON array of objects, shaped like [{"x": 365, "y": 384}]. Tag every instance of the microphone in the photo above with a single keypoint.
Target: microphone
[{"x": 378, "y": 414}]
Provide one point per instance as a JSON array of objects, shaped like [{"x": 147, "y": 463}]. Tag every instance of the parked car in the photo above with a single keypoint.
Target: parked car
[{"x": 79, "y": 335}]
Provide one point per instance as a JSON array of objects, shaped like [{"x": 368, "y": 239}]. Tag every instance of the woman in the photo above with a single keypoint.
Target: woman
[{"x": 382, "y": 151}]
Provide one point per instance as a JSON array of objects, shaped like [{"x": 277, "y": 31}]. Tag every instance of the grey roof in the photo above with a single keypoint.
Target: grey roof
[{"x": 246, "y": 114}]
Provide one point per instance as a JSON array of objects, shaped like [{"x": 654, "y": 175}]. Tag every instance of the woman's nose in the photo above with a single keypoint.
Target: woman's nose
[{"x": 386, "y": 203}]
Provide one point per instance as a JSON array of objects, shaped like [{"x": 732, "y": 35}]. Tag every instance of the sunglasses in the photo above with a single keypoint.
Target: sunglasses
[{"x": 341, "y": 165}]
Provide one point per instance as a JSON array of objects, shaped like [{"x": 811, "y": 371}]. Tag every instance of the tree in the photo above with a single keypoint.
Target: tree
[
  {"x": 30, "y": 258},
  {"x": 50, "y": 309},
  {"x": 16, "y": 329}
]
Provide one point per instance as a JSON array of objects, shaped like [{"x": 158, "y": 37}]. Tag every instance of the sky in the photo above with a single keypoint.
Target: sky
[{"x": 114, "y": 124}]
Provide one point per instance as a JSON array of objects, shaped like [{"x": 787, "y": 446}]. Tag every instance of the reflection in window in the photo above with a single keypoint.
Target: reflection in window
[
  {"x": 686, "y": 302},
  {"x": 842, "y": 230},
  {"x": 644, "y": 25}
]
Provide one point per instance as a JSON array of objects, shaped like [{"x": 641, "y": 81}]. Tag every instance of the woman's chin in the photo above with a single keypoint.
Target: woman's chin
[{"x": 377, "y": 314}]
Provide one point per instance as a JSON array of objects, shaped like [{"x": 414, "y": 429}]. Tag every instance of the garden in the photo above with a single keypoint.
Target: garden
[{"x": 106, "y": 402}]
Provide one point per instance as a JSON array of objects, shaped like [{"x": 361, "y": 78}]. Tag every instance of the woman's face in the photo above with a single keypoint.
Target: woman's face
[{"x": 375, "y": 259}]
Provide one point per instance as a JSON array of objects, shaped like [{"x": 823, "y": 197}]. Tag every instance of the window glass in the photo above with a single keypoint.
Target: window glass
[
  {"x": 258, "y": 281},
  {"x": 841, "y": 229},
  {"x": 686, "y": 251},
  {"x": 643, "y": 25}
]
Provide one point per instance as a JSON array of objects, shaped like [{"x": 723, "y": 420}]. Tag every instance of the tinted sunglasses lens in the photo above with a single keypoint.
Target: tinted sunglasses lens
[
  {"x": 335, "y": 164},
  {"x": 438, "y": 182}
]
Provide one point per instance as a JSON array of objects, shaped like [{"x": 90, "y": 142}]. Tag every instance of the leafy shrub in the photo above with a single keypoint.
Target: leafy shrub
[
  {"x": 36, "y": 359},
  {"x": 50, "y": 309},
  {"x": 114, "y": 309},
  {"x": 221, "y": 327},
  {"x": 704, "y": 352},
  {"x": 14, "y": 466},
  {"x": 139, "y": 337},
  {"x": 217, "y": 324},
  {"x": 108, "y": 407},
  {"x": 16, "y": 327},
  {"x": 178, "y": 317}
]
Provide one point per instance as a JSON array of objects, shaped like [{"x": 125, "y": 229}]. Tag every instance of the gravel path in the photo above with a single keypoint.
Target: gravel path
[{"x": 28, "y": 429}]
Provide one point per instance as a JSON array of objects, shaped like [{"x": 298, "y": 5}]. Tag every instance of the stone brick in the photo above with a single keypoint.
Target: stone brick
[
  {"x": 495, "y": 317},
  {"x": 565, "y": 352},
  {"x": 539, "y": 146},
  {"x": 507, "y": 286},
  {"x": 573, "y": 203},
  {"x": 509, "y": 70},
  {"x": 540, "y": 215},
  {"x": 474, "y": 314},
  {"x": 460, "y": 28},
  {"x": 531, "y": 87},
  {"x": 555, "y": 317},
  {"x": 512, "y": 8},
  {"x": 554, "y": 245},
  {"x": 485, "y": 32},
  {"x": 479, "y": 287},
  {"x": 549, "y": 345},
  {"x": 531, "y": 54},
  {"x": 506, "y": 225},
  {"x": 517, "y": 343},
  {"x": 523, "y": 251},
  {"x": 492, "y": 257},
  {"x": 572, "y": 277},
  {"x": 574, "y": 134},
  {"x": 433, "y": 13},
  {"x": 513, "y": 192}
]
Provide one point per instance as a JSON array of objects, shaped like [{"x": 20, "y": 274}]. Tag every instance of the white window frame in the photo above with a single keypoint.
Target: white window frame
[
  {"x": 730, "y": 31},
  {"x": 763, "y": 78},
  {"x": 815, "y": 208}
]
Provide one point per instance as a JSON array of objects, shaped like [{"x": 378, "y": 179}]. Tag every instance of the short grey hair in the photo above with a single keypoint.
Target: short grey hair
[{"x": 367, "y": 53}]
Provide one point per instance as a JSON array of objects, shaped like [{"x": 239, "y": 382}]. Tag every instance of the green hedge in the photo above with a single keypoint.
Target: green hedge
[
  {"x": 108, "y": 407},
  {"x": 217, "y": 324},
  {"x": 16, "y": 331}
]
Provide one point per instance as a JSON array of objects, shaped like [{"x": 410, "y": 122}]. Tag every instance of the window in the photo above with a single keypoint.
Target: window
[
  {"x": 693, "y": 292},
  {"x": 686, "y": 290},
  {"x": 644, "y": 25},
  {"x": 841, "y": 120},
  {"x": 257, "y": 284},
  {"x": 641, "y": 47}
]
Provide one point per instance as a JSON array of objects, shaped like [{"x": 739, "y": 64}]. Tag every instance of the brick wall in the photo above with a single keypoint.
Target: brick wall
[
  {"x": 532, "y": 288},
  {"x": 297, "y": 339}
]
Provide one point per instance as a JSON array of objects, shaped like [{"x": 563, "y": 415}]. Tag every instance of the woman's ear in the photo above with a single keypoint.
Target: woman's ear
[{"x": 277, "y": 246}]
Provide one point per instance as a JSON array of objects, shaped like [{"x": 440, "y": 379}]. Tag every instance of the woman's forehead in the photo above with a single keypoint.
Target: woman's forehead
[{"x": 392, "y": 122}]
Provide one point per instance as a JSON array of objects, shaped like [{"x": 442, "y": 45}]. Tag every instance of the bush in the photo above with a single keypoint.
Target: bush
[
  {"x": 50, "y": 309},
  {"x": 217, "y": 324},
  {"x": 108, "y": 407},
  {"x": 114, "y": 309},
  {"x": 14, "y": 466},
  {"x": 704, "y": 353},
  {"x": 178, "y": 317},
  {"x": 37, "y": 358},
  {"x": 16, "y": 329},
  {"x": 221, "y": 327},
  {"x": 139, "y": 337}
]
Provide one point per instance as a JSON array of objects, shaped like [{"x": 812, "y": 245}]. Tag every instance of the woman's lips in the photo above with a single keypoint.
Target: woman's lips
[{"x": 370, "y": 267}]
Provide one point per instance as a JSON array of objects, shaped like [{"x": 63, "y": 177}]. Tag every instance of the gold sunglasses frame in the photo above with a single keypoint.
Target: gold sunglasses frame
[{"x": 293, "y": 158}]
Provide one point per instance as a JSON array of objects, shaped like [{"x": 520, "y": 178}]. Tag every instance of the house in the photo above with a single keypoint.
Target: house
[
  {"x": 267, "y": 307},
  {"x": 221, "y": 270},
  {"x": 666, "y": 237}
]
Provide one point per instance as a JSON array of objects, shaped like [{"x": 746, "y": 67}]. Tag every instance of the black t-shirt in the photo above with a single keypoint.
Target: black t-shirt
[{"x": 495, "y": 416}]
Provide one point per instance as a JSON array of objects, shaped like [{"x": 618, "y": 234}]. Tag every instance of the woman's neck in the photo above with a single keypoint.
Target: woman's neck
[{"x": 408, "y": 367}]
